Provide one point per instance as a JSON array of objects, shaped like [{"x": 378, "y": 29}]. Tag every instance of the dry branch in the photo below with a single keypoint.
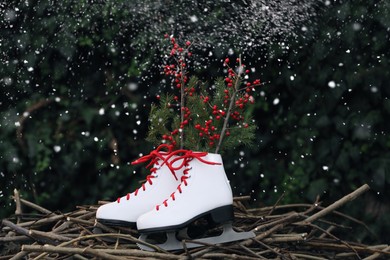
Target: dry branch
[
  {"x": 338, "y": 203},
  {"x": 287, "y": 233}
]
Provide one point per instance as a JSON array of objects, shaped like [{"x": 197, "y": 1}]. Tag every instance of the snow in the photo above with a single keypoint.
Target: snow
[{"x": 332, "y": 84}]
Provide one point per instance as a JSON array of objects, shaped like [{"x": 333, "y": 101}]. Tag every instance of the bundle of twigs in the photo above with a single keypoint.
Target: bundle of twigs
[{"x": 295, "y": 231}]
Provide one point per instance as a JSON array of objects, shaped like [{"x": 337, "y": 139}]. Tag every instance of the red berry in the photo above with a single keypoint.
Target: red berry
[
  {"x": 227, "y": 60},
  {"x": 188, "y": 43}
]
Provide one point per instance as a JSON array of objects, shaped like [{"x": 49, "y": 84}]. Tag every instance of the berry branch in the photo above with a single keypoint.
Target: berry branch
[
  {"x": 209, "y": 118},
  {"x": 237, "y": 77}
]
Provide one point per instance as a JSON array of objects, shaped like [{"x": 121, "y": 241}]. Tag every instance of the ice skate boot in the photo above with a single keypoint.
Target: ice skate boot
[
  {"x": 204, "y": 193},
  {"x": 158, "y": 185}
]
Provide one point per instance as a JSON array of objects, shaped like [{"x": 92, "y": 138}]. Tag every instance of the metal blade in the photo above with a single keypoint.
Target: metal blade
[
  {"x": 228, "y": 235},
  {"x": 172, "y": 243}
]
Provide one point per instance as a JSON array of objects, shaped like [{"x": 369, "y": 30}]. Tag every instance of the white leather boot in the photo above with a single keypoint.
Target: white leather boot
[
  {"x": 204, "y": 191},
  {"x": 159, "y": 184}
]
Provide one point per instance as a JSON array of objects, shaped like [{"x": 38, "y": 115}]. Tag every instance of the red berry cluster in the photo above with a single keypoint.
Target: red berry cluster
[
  {"x": 208, "y": 132},
  {"x": 177, "y": 67}
]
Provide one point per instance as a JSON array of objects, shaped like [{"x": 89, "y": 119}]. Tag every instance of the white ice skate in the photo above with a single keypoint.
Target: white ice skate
[
  {"x": 159, "y": 185},
  {"x": 204, "y": 193}
]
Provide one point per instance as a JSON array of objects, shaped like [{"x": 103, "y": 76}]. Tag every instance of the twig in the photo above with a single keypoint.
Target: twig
[
  {"x": 336, "y": 238},
  {"x": 248, "y": 250},
  {"x": 242, "y": 198},
  {"x": 35, "y": 206},
  {"x": 67, "y": 250},
  {"x": 340, "y": 247},
  {"x": 330, "y": 229},
  {"x": 228, "y": 256},
  {"x": 39, "y": 222},
  {"x": 285, "y": 220},
  {"x": 285, "y": 238},
  {"x": 80, "y": 221},
  {"x": 48, "y": 235},
  {"x": 18, "y": 206},
  {"x": 378, "y": 254},
  {"x": 103, "y": 253},
  {"x": 262, "y": 235},
  {"x": 26, "y": 232},
  {"x": 276, "y": 203},
  {"x": 337, "y": 204},
  {"x": 19, "y": 255},
  {"x": 268, "y": 247},
  {"x": 15, "y": 239},
  {"x": 305, "y": 256},
  {"x": 200, "y": 253}
]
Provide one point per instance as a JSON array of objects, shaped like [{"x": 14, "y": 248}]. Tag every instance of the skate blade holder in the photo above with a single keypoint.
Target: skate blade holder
[{"x": 172, "y": 243}]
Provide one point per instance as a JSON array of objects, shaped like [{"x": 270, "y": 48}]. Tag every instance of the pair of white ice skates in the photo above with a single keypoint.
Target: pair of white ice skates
[{"x": 183, "y": 186}]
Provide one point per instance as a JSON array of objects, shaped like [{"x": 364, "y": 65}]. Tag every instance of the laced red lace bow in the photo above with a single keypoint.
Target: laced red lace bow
[{"x": 154, "y": 157}]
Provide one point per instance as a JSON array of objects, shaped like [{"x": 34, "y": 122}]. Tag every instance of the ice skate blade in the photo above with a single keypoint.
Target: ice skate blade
[{"x": 172, "y": 243}]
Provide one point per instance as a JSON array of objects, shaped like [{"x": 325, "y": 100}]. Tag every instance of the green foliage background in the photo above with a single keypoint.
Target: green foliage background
[{"x": 74, "y": 83}]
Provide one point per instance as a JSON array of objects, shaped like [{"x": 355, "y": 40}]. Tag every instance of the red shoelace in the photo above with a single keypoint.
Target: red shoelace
[
  {"x": 186, "y": 156},
  {"x": 154, "y": 157}
]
